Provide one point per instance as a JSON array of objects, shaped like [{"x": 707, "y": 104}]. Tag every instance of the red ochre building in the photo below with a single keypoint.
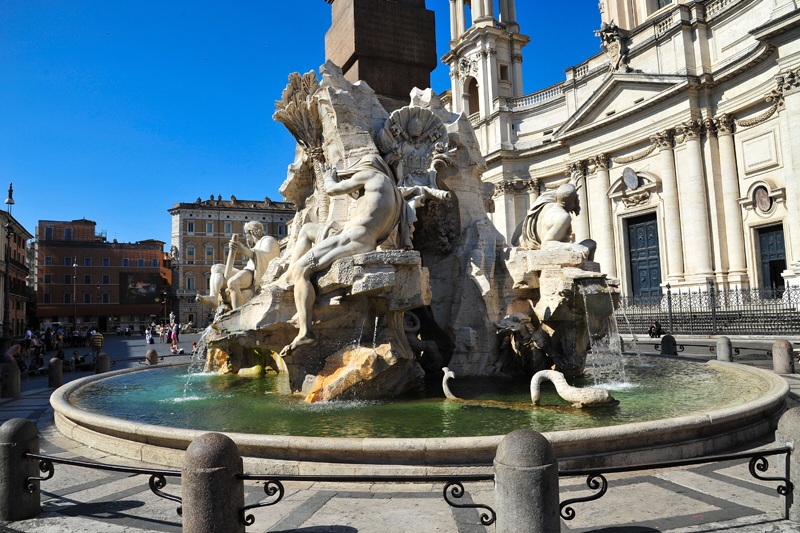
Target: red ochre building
[
  {"x": 84, "y": 280},
  {"x": 18, "y": 269}
]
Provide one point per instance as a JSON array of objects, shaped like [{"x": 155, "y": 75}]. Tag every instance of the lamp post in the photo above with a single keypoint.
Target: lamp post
[
  {"x": 99, "y": 296},
  {"x": 164, "y": 294},
  {"x": 6, "y": 339},
  {"x": 74, "y": 295}
]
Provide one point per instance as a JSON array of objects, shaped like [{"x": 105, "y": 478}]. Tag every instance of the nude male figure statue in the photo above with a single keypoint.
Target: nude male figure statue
[
  {"x": 379, "y": 209},
  {"x": 548, "y": 224},
  {"x": 259, "y": 250}
]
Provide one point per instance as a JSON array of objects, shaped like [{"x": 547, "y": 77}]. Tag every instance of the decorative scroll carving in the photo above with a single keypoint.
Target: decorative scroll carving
[
  {"x": 553, "y": 185},
  {"x": 576, "y": 169},
  {"x": 709, "y": 126},
  {"x": 636, "y": 156},
  {"x": 533, "y": 185},
  {"x": 517, "y": 186},
  {"x": 516, "y": 57},
  {"x": 787, "y": 82}
]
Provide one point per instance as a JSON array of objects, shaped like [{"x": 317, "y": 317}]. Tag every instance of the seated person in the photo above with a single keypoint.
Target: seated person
[
  {"x": 175, "y": 349},
  {"x": 36, "y": 365},
  {"x": 14, "y": 354}
]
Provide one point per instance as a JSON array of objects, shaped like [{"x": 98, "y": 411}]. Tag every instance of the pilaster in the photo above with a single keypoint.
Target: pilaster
[{"x": 672, "y": 219}]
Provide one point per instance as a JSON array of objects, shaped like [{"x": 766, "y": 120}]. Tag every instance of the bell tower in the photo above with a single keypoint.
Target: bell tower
[{"x": 485, "y": 57}]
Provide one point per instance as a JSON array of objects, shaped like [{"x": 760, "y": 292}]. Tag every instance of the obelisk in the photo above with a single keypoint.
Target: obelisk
[{"x": 390, "y": 44}]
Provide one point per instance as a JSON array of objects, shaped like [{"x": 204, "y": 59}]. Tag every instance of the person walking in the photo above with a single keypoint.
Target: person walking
[{"x": 97, "y": 344}]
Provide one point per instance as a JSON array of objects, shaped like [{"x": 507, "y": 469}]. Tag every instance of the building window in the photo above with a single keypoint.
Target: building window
[
  {"x": 68, "y": 261},
  {"x": 106, "y": 279},
  {"x": 47, "y": 298},
  {"x": 154, "y": 263},
  {"x": 67, "y": 297},
  {"x": 67, "y": 233},
  {"x": 67, "y": 279},
  {"x": 504, "y": 73},
  {"x": 190, "y": 227},
  {"x": 48, "y": 260},
  {"x": 87, "y": 297},
  {"x": 140, "y": 262},
  {"x": 210, "y": 228},
  {"x": 126, "y": 262},
  {"x": 228, "y": 228},
  {"x": 48, "y": 279},
  {"x": 87, "y": 279},
  {"x": 281, "y": 229},
  {"x": 208, "y": 282},
  {"x": 190, "y": 283},
  {"x": 663, "y": 3},
  {"x": 106, "y": 297},
  {"x": 209, "y": 254},
  {"x": 106, "y": 262},
  {"x": 48, "y": 233},
  {"x": 190, "y": 255},
  {"x": 87, "y": 261}
]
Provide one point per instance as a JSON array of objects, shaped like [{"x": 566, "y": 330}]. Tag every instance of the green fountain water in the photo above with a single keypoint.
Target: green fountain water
[{"x": 658, "y": 388}]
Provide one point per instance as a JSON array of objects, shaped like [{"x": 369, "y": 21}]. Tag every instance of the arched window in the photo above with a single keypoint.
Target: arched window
[
  {"x": 190, "y": 286},
  {"x": 473, "y": 97}
]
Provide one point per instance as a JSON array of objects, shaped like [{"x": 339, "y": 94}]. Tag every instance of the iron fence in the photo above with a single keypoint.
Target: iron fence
[{"x": 714, "y": 311}]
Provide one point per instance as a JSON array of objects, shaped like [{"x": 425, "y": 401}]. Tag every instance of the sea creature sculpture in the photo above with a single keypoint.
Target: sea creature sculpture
[
  {"x": 524, "y": 341},
  {"x": 579, "y": 397},
  {"x": 448, "y": 374}
]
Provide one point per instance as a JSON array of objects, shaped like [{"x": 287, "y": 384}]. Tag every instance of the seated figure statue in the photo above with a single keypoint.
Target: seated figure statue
[
  {"x": 379, "y": 209},
  {"x": 239, "y": 286},
  {"x": 548, "y": 224}
]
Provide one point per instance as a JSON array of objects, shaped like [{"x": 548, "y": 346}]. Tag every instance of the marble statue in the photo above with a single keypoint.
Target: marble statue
[
  {"x": 229, "y": 285},
  {"x": 391, "y": 223},
  {"x": 548, "y": 224},
  {"x": 379, "y": 210},
  {"x": 578, "y": 397},
  {"x": 614, "y": 45}
]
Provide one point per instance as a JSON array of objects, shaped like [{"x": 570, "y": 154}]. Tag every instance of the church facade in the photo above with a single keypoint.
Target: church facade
[{"x": 682, "y": 134}]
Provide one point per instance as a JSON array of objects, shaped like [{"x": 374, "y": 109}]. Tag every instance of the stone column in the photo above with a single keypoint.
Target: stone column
[
  {"x": 782, "y": 357},
  {"x": 694, "y": 203},
  {"x": 454, "y": 35},
  {"x": 788, "y": 434},
  {"x": 526, "y": 484},
  {"x": 478, "y": 10},
  {"x": 10, "y": 386},
  {"x": 516, "y": 66},
  {"x": 724, "y": 349},
  {"x": 789, "y": 88},
  {"x": 488, "y": 8},
  {"x": 510, "y": 210},
  {"x": 672, "y": 218},
  {"x": 580, "y": 223},
  {"x": 737, "y": 264},
  {"x": 460, "y": 18},
  {"x": 55, "y": 373},
  {"x": 533, "y": 191},
  {"x": 602, "y": 219}
]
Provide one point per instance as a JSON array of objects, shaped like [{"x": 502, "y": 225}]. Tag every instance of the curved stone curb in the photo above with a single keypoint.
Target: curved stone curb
[{"x": 659, "y": 440}]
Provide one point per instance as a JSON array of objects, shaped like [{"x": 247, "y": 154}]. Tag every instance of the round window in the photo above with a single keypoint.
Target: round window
[{"x": 762, "y": 199}]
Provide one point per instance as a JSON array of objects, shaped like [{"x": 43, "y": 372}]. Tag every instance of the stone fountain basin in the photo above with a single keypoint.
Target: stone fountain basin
[{"x": 641, "y": 442}]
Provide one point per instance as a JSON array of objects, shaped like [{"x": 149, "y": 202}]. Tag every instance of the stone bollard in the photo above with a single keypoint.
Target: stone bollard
[
  {"x": 55, "y": 373},
  {"x": 212, "y": 494},
  {"x": 526, "y": 484},
  {"x": 10, "y": 386},
  {"x": 668, "y": 345},
  {"x": 18, "y": 436},
  {"x": 151, "y": 357},
  {"x": 103, "y": 364},
  {"x": 782, "y": 357},
  {"x": 788, "y": 434},
  {"x": 724, "y": 349}
]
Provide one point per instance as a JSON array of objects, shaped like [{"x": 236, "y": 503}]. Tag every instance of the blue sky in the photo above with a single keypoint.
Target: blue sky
[{"x": 115, "y": 111}]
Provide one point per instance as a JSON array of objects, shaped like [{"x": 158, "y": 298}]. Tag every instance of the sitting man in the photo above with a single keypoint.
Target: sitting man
[
  {"x": 379, "y": 209},
  {"x": 548, "y": 224},
  {"x": 241, "y": 284}
]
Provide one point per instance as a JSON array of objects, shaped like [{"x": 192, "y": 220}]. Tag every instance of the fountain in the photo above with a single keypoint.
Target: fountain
[{"x": 392, "y": 246}]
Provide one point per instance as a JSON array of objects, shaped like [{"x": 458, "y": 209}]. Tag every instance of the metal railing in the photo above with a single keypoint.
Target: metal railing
[
  {"x": 596, "y": 481},
  {"x": 716, "y": 311}
]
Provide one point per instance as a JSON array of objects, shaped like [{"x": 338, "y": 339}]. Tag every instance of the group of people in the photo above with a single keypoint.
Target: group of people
[
  {"x": 28, "y": 354},
  {"x": 167, "y": 334}
]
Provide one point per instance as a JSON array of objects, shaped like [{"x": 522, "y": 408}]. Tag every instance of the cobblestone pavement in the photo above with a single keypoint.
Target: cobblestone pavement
[{"x": 704, "y": 498}]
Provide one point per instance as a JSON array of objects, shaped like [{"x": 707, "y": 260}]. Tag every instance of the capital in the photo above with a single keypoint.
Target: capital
[
  {"x": 724, "y": 124},
  {"x": 690, "y": 129},
  {"x": 599, "y": 161},
  {"x": 663, "y": 139}
]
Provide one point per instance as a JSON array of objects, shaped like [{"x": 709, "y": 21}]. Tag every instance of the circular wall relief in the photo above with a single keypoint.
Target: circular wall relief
[
  {"x": 630, "y": 178},
  {"x": 762, "y": 200}
]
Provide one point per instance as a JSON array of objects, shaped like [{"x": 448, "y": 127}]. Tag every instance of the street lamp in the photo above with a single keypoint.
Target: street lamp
[
  {"x": 6, "y": 340},
  {"x": 99, "y": 296},
  {"x": 164, "y": 294},
  {"x": 74, "y": 295}
]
